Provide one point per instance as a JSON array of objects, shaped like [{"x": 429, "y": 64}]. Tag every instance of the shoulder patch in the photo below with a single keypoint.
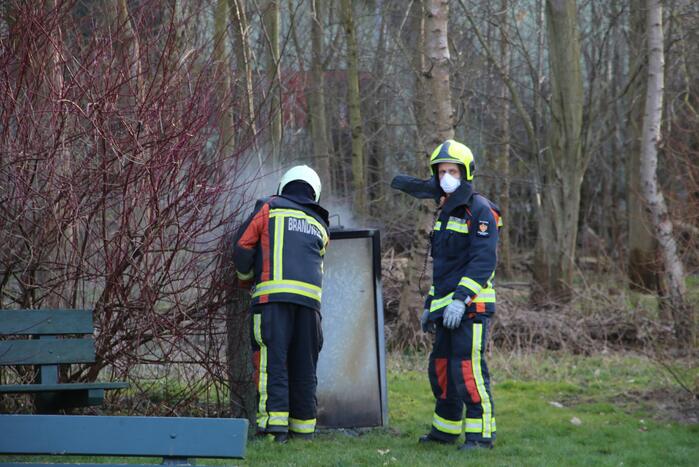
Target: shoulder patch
[{"x": 483, "y": 229}]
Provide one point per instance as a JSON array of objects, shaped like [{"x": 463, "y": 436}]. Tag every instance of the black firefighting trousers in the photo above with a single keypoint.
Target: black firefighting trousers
[
  {"x": 287, "y": 339},
  {"x": 459, "y": 376}
]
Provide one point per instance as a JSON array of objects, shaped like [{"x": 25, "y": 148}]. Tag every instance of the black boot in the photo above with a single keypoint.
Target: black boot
[
  {"x": 468, "y": 445},
  {"x": 428, "y": 438},
  {"x": 281, "y": 438},
  {"x": 303, "y": 436}
]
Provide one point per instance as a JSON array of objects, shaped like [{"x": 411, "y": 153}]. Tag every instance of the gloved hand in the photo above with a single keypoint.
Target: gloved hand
[
  {"x": 453, "y": 314},
  {"x": 425, "y": 321}
]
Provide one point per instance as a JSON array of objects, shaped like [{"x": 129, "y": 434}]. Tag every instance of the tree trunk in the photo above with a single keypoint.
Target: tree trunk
[
  {"x": 133, "y": 53},
  {"x": 376, "y": 160},
  {"x": 243, "y": 58},
  {"x": 225, "y": 123},
  {"x": 564, "y": 164},
  {"x": 238, "y": 345},
  {"x": 503, "y": 162},
  {"x": 271, "y": 19},
  {"x": 416, "y": 36},
  {"x": 316, "y": 100},
  {"x": 243, "y": 392},
  {"x": 674, "y": 269},
  {"x": 618, "y": 184},
  {"x": 441, "y": 114},
  {"x": 355, "y": 114},
  {"x": 643, "y": 258},
  {"x": 438, "y": 126}
]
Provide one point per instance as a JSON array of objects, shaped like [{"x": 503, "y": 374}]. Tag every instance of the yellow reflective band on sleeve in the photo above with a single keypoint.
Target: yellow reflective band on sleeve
[
  {"x": 486, "y": 295},
  {"x": 458, "y": 225},
  {"x": 470, "y": 284},
  {"x": 476, "y": 349},
  {"x": 302, "y": 426},
  {"x": 279, "y": 418},
  {"x": 245, "y": 276},
  {"x": 288, "y": 286},
  {"x": 262, "y": 415},
  {"x": 475, "y": 425},
  {"x": 431, "y": 294},
  {"x": 278, "y": 247},
  {"x": 453, "y": 427},
  {"x": 301, "y": 215},
  {"x": 440, "y": 303},
  {"x": 437, "y": 225}
]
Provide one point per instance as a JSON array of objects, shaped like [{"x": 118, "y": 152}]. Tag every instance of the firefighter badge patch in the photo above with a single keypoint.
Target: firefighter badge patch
[{"x": 483, "y": 229}]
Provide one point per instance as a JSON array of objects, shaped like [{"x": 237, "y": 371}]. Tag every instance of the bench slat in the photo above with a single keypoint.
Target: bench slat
[
  {"x": 31, "y": 463},
  {"x": 27, "y": 322},
  {"x": 18, "y": 388},
  {"x": 123, "y": 436},
  {"x": 45, "y": 352}
]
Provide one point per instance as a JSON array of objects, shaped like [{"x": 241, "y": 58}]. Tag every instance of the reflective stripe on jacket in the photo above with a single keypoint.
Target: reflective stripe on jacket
[{"x": 281, "y": 246}]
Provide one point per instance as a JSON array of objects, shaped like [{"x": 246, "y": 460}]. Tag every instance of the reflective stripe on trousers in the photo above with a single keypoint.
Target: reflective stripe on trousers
[
  {"x": 475, "y": 425},
  {"x": 279, "y": 418},
  {"x": 262, "y": 415},
  {"x": 480, "y": 384},
  {"x": 302, "y": 426},
  {"x": 453, "y": 427}
]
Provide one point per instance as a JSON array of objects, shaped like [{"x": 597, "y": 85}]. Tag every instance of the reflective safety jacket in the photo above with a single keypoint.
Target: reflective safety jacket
[
  {"x": 464, "y": 242},
  {"x": 281, "y": 247}
]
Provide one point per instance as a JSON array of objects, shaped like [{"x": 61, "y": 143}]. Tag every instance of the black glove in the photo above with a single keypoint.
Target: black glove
[{"x": 425, "y": 323}]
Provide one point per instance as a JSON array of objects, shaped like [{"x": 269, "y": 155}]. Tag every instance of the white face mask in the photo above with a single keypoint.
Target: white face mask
[{"x": 449, "y": 183}]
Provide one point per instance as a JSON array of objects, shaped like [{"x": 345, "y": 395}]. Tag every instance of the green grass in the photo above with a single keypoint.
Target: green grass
[{"x": 609, "y": 394}]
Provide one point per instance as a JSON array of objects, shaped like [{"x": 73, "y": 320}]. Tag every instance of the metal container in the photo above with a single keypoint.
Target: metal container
[{"x": 352, "y": 367}]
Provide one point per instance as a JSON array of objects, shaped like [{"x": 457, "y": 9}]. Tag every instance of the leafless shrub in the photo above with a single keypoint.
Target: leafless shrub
[{"x": 114, "y": 192}]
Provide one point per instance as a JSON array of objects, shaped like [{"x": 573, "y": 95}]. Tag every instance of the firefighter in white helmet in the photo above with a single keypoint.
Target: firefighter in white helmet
[{"x": 280, "y": 249}]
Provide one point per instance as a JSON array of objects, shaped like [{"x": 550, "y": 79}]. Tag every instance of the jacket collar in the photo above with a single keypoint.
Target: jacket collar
[
  {"x": 461, "y": 197},
  {"x": 310, "y": 204}
]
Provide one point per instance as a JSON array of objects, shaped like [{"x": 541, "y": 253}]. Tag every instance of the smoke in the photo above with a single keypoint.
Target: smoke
[
  {"x": 255, "y": 179},
  {"x": 341, "y": 215}
]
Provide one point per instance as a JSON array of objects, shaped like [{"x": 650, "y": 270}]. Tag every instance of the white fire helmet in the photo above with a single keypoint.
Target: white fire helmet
[{"x": 303, "y": 173}]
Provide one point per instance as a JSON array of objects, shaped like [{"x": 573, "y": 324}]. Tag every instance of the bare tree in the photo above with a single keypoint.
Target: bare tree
[
  {"x": 643, "y": 263},
  {"x": 355, "y": 115},
  {"x": 316, "y": 99},
  {"x": 271, "y": 20},
  {"x": 439, "y": 123},
  {"x": 226, "y": 135},
  {"x": 674, "y": 269},
  {"x": 503, "y": 158},
  {"x": 440, "y": 117},
  {"x": 563, "y": 162},
  {"x": 243, "y": 58}
]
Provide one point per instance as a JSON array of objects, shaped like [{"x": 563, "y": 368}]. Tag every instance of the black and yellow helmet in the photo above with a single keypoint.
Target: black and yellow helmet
[{"x": 456, "y": 153}]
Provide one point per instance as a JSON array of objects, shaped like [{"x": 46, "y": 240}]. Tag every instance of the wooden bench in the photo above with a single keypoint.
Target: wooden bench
[
  {"x": 178, "y": 440},
  {"x": 57, "y": 337}
]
